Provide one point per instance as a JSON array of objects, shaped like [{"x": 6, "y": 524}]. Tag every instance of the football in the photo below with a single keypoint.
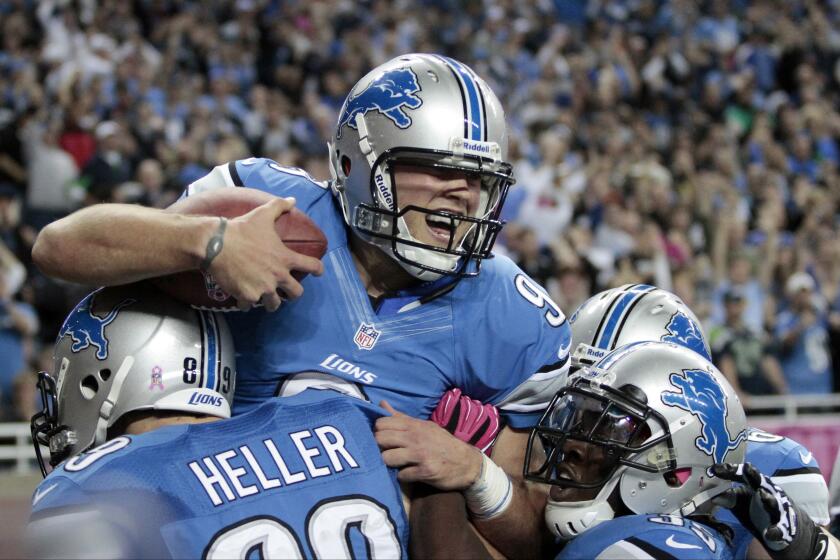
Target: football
[{"x": 198, "y": 288}]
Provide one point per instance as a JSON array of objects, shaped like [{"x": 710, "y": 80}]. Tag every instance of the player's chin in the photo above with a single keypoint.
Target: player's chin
[{"x": 559, "y": 494}]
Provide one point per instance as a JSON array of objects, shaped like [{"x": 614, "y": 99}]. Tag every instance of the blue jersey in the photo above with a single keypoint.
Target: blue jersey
[
  {"x": 792, "y": 467},
  {"x": 296, "y": 477},
  {"x": 497, "y": 336},
  {"x": 648, "y": 536}
]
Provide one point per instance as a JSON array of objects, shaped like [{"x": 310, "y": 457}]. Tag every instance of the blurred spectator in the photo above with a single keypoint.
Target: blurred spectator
[
  {"x": 741, "y": 278},
  {"x": 51, "y": 173},
  {"x": 743, "y": 357},
  {"x": 537, "y": 261},
  {"x": 18, "y": 324},
  {"x": 803, "y": 337},
  {"x": 109, "y": 166},
  {"x": 12, "y": 164}
]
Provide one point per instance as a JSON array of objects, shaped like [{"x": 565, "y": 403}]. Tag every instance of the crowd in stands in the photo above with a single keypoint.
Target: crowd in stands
[{"x": 688, "y": 144}]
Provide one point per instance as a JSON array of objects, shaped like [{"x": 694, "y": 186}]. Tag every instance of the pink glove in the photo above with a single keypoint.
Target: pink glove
[{"x": 468, "y": 420}]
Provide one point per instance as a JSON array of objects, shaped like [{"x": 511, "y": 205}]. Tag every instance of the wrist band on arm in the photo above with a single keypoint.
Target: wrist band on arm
[
  {"x": 491, "y": 494},
  {"x": 215, "y": 244}
]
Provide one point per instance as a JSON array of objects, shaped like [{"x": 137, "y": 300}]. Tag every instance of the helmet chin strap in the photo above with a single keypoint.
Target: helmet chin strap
[
  {"x": 426, "y": 256},
  {"x": 568, "y": 520}
]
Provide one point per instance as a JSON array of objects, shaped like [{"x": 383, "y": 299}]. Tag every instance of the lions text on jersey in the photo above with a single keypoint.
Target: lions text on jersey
[
  {"x": 497, "y": 336},
  {"x": 298, "y": 477},
  {"x": 790, "y": 465},
  {"x": 644, "y": 537}
]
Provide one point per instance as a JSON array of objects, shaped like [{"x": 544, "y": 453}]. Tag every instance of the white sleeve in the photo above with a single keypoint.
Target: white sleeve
[
  {"x": 218, "y": 178},
  {"x": 809, "y": 491},
  {"x": 534, "y": 394},
  {"x": 624, "y": 550},
  {"x": 78, "y": 534}
]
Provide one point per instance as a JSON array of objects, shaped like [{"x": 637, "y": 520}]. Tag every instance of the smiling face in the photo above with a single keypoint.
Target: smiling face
[{"x": 452, "y": 191}]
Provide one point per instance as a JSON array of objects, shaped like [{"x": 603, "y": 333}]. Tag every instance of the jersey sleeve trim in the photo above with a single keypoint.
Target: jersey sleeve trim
[
  {"x": 652, "y": 551},
  {"x": 796, "y": 471},
  {"x": 536, "y": 392},
  {"x": 219, "y": 177},
  {"x": 234, "y": 174}
]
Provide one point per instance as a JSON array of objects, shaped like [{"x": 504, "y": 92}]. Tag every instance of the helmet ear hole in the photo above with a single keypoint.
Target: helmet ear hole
[
  {"x": 678, "y": 477},
  {"x": 89, "y": 387},
  {"x": 346, "y": 164},
  {"x": 104, "y": 374},
  {"x": 635, "y": 392}
]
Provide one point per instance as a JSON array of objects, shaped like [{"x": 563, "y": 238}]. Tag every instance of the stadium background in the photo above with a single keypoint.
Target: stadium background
[{"x": 688, "y": 144}]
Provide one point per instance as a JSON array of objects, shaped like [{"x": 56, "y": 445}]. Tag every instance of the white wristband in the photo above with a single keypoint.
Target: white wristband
[{"x": 491, "y": 494}]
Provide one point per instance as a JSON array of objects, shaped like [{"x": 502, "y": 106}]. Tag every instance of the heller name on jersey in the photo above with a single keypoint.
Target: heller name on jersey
[{"x": 222, "y": 472}]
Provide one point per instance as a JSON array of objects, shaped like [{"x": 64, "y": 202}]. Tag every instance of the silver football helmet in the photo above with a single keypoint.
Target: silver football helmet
[
  {"x": 637, "y": 431},
  {"x": 125, "y": 349},
  {"x": 428, "y": 111},
  {"x": 632, "y": 313}
]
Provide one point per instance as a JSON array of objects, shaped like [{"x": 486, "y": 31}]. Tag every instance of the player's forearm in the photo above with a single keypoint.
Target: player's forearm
[
  {"x": 440, "y": 527},
  {"x": 110, "y": 244},
  {"x": 517, "y": 532}
]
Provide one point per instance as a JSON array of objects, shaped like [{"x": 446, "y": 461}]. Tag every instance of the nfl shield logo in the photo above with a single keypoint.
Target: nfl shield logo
[{"x": 366, "y": 336}]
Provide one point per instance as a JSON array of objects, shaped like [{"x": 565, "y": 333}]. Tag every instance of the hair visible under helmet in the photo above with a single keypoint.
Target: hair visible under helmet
[{"x": 428, "y": 111}]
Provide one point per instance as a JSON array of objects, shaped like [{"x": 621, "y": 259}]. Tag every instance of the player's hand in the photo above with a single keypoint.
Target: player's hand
[
  {"x": 254, "y": 263},
  {"x": 468, "y": 419},
  {"x": 786, "y": 531},
  {"x": 425, "y": 452}
]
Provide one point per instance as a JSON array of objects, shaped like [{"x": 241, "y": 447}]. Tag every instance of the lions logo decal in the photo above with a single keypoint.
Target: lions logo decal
[
  {"x": 685, "y": 332},
  {"x": 390, "y": 94},
  {"x": 87, "y": 329},
  {"x": 702, "y": 396}
]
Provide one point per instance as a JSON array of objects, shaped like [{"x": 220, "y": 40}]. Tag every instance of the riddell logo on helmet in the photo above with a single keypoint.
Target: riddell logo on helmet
[
  {"x": 477, "y": 147},
  {"x": 384, "y": 190}
]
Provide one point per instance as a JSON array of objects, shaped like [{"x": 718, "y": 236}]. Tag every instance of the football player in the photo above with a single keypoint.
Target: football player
[
  {"x": 633, "y": 435},
  {"x": 611, "y": 319},
  {"x": 639, "y": 449},
  {"x": 409, "y": 304},
  {"x": 147, "y": 465},
  {"x": 655, "y": 428},
  {"x": 634, "y": 313}
]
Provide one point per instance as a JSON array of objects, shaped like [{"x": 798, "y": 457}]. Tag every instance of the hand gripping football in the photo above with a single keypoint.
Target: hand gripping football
[{"x": 198, "y": 288}]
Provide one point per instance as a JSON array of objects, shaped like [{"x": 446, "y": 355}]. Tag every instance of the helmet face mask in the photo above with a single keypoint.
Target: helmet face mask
[
  {"x": 405, "y": 113},
  {"x": 601, "y": 426},
  {"x": 128, "y": 349},
  {"x": 637, "y": 431},
  {"x": 471, "y": 238},
  {"x": 45, "y": 427}
]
